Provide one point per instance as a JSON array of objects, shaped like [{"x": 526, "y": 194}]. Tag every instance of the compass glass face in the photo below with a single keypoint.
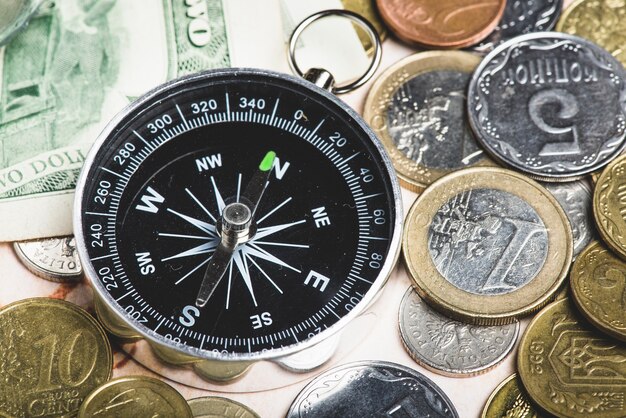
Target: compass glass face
[{"x": 315, "y": 247}]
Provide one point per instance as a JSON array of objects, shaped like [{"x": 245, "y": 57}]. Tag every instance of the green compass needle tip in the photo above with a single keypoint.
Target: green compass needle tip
[{"x": 268, "y": 161}]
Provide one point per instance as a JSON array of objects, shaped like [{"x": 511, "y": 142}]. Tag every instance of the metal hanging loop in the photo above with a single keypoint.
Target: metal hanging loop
[{"x": 354, "y": 17}]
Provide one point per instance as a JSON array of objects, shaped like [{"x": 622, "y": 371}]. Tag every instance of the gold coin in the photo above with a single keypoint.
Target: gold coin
[
  {"x": 598, "y": 282},
  {"x": 217, "y": 407},
  {"x": 135, "y": 397},
  {"x": 509, "y": 400},
  {"x": 569, "y": 369},
  {"x": 367, "y": 9},
  {"x": 609, "y": 205},
  {"x": 487, "y": 245},
  {"x": 601, "y": 21},
  {"x": 52, "y": 354},
  {"x": 417, "y": 107}
]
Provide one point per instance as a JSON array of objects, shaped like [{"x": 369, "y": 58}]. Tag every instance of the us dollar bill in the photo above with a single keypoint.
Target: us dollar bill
[
  {"x": 74, "y": 67},
  {"x": 80, "y": 62}
]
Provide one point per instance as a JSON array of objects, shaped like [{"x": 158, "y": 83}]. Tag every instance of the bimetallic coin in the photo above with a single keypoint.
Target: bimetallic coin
[
  {"x": 550, "y": 105},
  {"x": 576, "y": 199},
  {"x": 14, "y": 15},
  {"x": 450, "y": 347},
  {"x": 418, "y": 109},
  {"x": 135, "y": 397},
  {"x": 520, "y": 17},
  {"x": 487, "y": 245},
  {"x": 53, "y": 259},
  {"x": 52, "y": 354},
  {"x": 600, "y": 21},
  {"x": 367, "y": 9},
  {"x": 371, "y": 388},
  {"x": 569, "y": 369},
  {"x": 442, "y": 23},
  {"x": 509, "y": 400},
  {"x": 609, "y": 206},
  {"x": 217, "y": 407},
  {"x": 598, "y": 282}
]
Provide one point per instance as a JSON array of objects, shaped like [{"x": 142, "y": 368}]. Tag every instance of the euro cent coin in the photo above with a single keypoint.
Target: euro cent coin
[
  {"x": 598, "y": 282},
  {"x": 442, "y": 23},
  {"x": 218, "y": 407},
  {"x": 371, "y": 389},
  {"x": 52, "y": 354},
  {"x": 53, "y": 259},
  {"x": 135, "y": 397},
  {"x": 550, "y": 105},
  {"x": 448, "y": 347},
  {"x": 418, "y": 109},
  {"x": 568, "y": 368},
  {"x": 487, "y": 245}
]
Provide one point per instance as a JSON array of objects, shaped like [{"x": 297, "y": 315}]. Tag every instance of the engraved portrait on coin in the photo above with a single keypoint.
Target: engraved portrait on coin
[
  {"x": 550, "y": 105},
  {"x": 487, "y": 230}
]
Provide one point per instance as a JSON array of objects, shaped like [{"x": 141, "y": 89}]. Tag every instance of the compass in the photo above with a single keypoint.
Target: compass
[{"x": 237, "y": 215}]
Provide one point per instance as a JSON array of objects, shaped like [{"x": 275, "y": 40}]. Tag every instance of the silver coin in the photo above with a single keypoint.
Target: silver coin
[
  {"x": 450, "y": 347},
  {"x": 469, "y": 231},
  {"x": 549, "y": 104},
  {"x": 576, "y": 199},
  {"x": 14, "y": 15},
  {"x": 53, "y": 259},
  {"x": 371, "y": 389},
  {"x": 428, "y": 123},
  {"x": 521, "y": 17}
]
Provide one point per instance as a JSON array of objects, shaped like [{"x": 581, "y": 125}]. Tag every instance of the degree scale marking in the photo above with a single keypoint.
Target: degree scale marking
[{"x": 205, "y": 119}]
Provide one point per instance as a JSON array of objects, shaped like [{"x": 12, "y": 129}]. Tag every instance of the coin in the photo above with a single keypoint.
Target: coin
[
  {"x": 509, "y": 400},
  {"x": 520, "y": 17},
  {"x": 135, "y": 397},
  {"x": 417, "y": 108},
  {"x": 576, "y": 199},
  {"x": 371, "y": 388},
  {"x": 53, "y": 259},
  {"x": 549, "y": 104},
  {"x": 450, "y": 347},
  {"x": 598, "y": 282},
  {"x": 15, "y": 16},
  {"x": 568, "y": 368},
  {"x": 441, "y": 23},
  {"x": 609, "y": 205},
  {"x": 367, "y": 9},
  {"x": 600, "y": 21},
  {"x": 218, "y": 407},
  {"x": 52, "y": 354},
  {"x": 487, "y": 245}
]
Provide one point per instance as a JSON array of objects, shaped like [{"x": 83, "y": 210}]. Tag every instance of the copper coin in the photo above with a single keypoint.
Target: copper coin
[{"x": 442, "y": 23}]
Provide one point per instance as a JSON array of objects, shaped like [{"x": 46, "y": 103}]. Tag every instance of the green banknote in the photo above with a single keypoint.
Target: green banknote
[{"x": 77, "y": 64}]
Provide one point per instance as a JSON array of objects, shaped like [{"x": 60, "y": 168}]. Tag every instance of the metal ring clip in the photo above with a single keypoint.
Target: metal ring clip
[{"x": 356, "y": 18}]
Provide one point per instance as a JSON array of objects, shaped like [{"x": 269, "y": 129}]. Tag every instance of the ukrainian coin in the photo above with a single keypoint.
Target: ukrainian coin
[
  {"x": 550, "y": 105},
  {"x": 418, "y": 109},
  {"x": 450, "y": 347},
  {"x": 598, "y": 282},
  {"x": 442, "y": 23},
  {"x": 520, "y": 17},
  {"x": 609, "y": 206},
  {"x": 568, "y": 368},
  {"x": 576, "y": 199},
  {"x": 601, "y": 21},
  {"x": 509, "y": 400},
  {"x": 217, "y": 407},
  {"x": 15, "y": 16},
  {"x": 52, "y": 354},
  {"x": 53, "y": 259},
  {"x": 487, "y": 245},
  {"x": 135, "y": 397},
  {"x": 371, "y": 388},
  {"x": 367, "y": 9}
]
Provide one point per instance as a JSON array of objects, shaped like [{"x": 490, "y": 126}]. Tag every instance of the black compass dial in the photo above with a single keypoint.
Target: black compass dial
[{"x": 152, "y": 214}]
